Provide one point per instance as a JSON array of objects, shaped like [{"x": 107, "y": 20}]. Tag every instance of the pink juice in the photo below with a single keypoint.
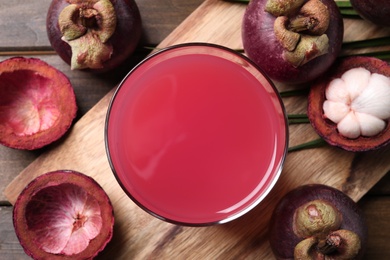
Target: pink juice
[{"x": 196, "y": 135}]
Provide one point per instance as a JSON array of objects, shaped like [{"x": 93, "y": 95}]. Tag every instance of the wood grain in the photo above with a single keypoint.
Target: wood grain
[
  {"x": 139, "y": 235},
  {"x": 23, "y": 23},
  {"x": 374, "y": 205},
  {"x": 21, "y": 37}
]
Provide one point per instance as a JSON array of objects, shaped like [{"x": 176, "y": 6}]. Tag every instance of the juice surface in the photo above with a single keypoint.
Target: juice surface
[{"x": 195, "y": 138}]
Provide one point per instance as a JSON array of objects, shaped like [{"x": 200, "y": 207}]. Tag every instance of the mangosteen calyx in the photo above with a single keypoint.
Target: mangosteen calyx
[
  {"x": 340, "y": 244},
  {"x": 300, "y": 28},
  {"x": 318, "y": 222},
  {"x": 283, "y": 7},
  {"x": 87, "y": 27},
  {"x": 308, "y": 48}
]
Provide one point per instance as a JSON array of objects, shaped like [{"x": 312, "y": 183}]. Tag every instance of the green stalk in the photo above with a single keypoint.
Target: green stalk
[
  {"x": 297, "y": 119},
  {"x": 376, "y": 42},
  {"x": 295, "y": 92},
  {"x": 383, "y": 55},
  {"x": 311, "y": 144},
  {"x": 347, "y": 10},
  {"x": 349, "y": 13},
  {"x": 344, "y": 4},
  {"x": 297, "y": 116},
  {"x": 302, "y": 119},
  {"x": 345, "y": 7}
]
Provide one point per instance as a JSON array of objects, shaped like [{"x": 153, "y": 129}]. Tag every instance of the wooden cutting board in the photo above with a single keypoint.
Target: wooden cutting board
[{"x": 138, "y": 235}]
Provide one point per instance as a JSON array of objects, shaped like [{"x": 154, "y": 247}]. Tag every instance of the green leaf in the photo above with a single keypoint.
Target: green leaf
[
  {"x": 295, "y": 92},
  {"x": 309, "y": 145},
  {"x": 375, "y": 42}
]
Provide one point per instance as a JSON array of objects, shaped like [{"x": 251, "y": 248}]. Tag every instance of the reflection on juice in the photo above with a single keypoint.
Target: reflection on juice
[{"x": 195, "y": 138}]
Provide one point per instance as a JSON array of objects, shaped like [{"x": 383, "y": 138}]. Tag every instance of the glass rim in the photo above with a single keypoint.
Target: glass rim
[{"x": 276, "y": 173}]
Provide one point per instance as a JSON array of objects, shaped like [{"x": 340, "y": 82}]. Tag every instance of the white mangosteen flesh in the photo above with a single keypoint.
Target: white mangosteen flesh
[{"x": 358, "y": 102}]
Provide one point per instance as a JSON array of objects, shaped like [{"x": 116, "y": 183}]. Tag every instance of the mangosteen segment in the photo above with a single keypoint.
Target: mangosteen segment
[{"x": 358, "y": 102}]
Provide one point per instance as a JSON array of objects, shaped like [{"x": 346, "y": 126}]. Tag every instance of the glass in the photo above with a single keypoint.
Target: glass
[{"x": 196, "y": 134}]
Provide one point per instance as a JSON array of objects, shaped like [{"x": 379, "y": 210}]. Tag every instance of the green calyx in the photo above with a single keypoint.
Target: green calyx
[
  {"x": 300, "y": 28},
  {"x": 316, "y": 218},
  {"x": 318, "y": 224},
  {"x": 87, "y": 26}
]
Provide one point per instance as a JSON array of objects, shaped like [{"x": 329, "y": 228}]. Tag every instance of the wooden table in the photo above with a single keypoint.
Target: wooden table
[{"x": 23, "y": 33}]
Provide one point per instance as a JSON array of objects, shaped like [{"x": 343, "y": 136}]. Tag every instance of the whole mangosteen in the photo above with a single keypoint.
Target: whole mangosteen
[
  {"x": 293, "y": 41},
  {"x": 317, "y": 222},
  {"x": 97, "y": 35}
]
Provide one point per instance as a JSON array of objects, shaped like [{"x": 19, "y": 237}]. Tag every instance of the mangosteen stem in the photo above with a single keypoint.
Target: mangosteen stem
[
  {"x": 345, "y": 242},
  {"x": 308, "y": 145},
  {"x": 313, "y": 18},
  {"x": 329, "y": 245},
  {"x": 340, "y": 244},
  {"x": 302, "y": 23},
  {"x": 89, "y": 18}
]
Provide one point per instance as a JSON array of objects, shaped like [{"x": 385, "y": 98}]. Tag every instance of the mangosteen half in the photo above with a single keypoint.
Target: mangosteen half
[
  {"x": 63, "y": 215},
  {"x": 349, "y": 107},
  {"x": 37, "y": 103}
]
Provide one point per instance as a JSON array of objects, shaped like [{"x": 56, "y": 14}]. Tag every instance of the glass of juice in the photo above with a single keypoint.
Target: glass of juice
[{"x": 196, "y": 134}]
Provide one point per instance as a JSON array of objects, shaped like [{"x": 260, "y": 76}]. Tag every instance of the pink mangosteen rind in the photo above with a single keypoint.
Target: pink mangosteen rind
[
  {"x": 328, "y": 129},
  {"x": 38, "y": 103},
  {"x": 58, "y": 179}
]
